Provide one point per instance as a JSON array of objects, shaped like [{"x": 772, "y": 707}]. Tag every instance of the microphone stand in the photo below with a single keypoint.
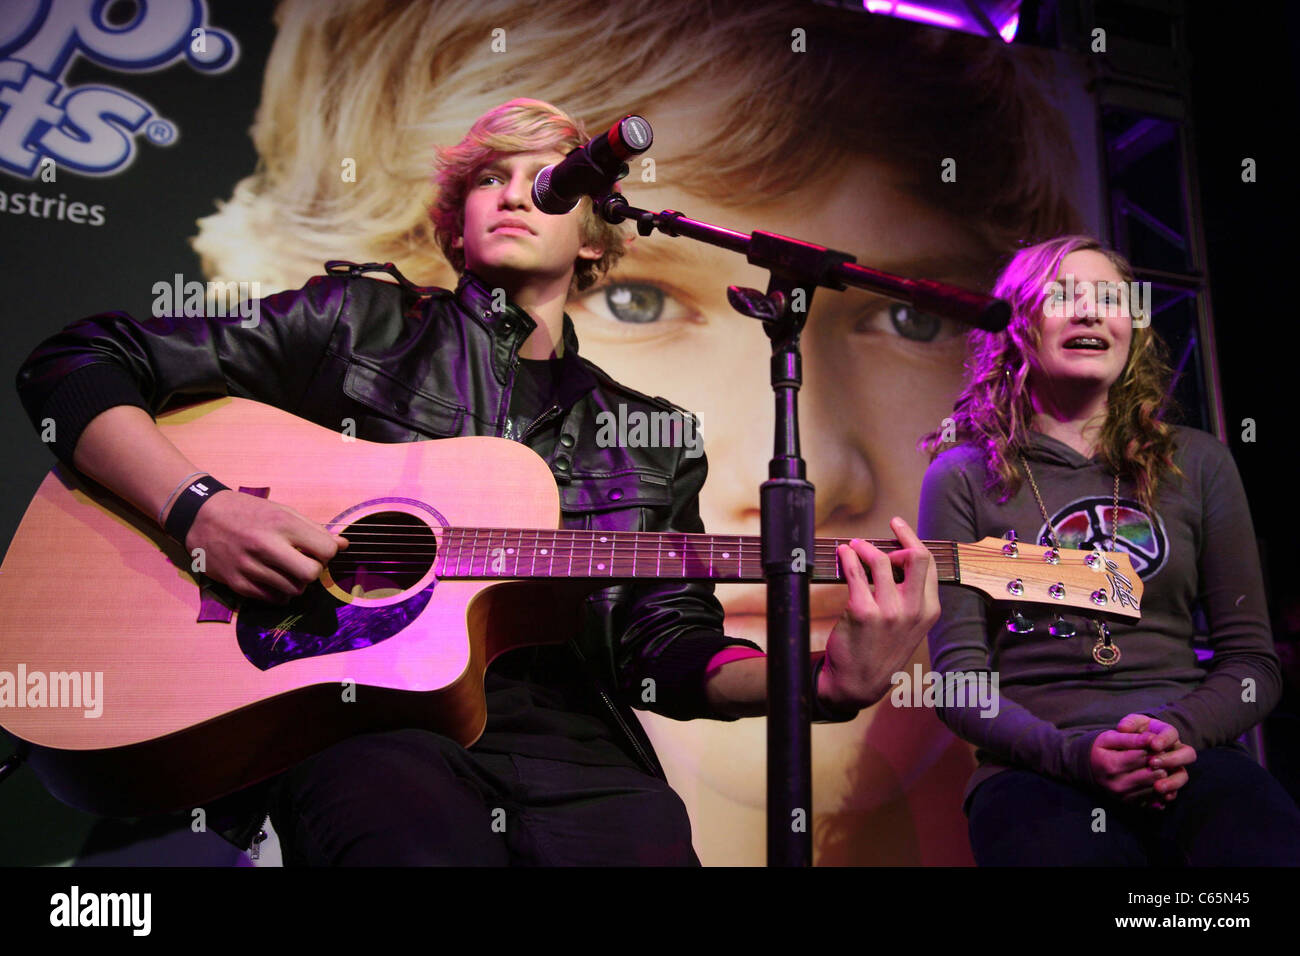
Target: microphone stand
[{"x": 786, "y": 499}]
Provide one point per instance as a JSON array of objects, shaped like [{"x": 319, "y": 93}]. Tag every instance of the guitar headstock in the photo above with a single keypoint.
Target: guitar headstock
[{"x": 1094, "y": 583}]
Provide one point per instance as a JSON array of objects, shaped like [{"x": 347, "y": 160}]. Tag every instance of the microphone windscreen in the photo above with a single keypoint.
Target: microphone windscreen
[{"x": 545, "y": 198}]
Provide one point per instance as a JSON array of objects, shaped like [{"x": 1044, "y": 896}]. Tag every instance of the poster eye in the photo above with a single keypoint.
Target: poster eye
[
  {"x": 634, "y": 302},
  {"x": 913, "y": 324}
]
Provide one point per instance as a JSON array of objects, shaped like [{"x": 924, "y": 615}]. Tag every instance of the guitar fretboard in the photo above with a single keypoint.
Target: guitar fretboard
[{"x": 532, "y": 553}]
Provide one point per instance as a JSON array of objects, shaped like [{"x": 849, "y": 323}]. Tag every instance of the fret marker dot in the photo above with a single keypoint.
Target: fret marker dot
[
  {"x": 600, "y": 567},
  {"x": 726, "y": 554},
  {"x": 672, "y": 554},
  {"x": 543, "y": 550},
  {"x": 510, "y": 550},
  {"x": 603, "y": 539}
]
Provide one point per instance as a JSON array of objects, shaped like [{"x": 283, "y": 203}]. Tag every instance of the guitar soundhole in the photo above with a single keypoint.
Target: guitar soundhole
[{"x": 388, "y": 552}]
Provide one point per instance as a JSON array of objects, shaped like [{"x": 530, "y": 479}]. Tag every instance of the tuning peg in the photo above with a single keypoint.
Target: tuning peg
[
  {"x": 1061, "y": 628},
  {"x": 1010, "y": 549},
  {"x": 1017, "y": 623}
]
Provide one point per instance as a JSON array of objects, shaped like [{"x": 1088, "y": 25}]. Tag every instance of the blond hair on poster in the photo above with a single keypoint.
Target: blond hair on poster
[{"x": 359, "y": 94}]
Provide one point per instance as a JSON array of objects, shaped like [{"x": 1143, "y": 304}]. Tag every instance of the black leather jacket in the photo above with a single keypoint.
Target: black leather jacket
[{"x": 408, "y": 364}]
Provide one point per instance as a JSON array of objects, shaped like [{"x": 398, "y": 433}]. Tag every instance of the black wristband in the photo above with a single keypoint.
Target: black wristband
[
  {"x": 186, "y": 508},
  {"x": 821, "y": 713}
]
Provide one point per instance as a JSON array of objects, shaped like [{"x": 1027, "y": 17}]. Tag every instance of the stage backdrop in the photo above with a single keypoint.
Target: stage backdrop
[{"x": 183, "y": 141}]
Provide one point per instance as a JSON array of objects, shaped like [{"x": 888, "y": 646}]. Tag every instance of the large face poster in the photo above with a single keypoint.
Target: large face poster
[{"x": 922, "y": 152}]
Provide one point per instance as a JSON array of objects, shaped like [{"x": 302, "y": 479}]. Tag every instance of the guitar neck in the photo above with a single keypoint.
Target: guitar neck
[
  {"x": 530, "y": 553},
  {"x": 1090, "y": 582}
]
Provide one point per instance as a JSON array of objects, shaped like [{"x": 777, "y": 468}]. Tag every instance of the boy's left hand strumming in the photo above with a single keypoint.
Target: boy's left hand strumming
[{"x": 883, "y": 620}]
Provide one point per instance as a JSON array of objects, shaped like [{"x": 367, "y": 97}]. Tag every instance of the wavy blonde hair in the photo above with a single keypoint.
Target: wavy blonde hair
[
  {"x": 520, "y": 126},
  {"x": 385, "y": 82},
  {"x": 994, "y": 410}
]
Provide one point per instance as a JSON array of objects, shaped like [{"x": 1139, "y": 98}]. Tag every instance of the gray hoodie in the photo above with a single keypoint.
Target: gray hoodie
[{"x": 1198, "y": 548}]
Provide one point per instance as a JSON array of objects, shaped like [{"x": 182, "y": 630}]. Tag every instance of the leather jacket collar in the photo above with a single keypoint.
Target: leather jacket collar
[{"x": 511, "y": 326}]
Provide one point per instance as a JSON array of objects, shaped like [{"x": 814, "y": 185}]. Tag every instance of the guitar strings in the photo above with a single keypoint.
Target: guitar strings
[
  {"x": 470, "y": 537},
  {"x": 477, "y": 552},
  {"x": 887, "y": 545},
  {"x": 456, "y": 546}
]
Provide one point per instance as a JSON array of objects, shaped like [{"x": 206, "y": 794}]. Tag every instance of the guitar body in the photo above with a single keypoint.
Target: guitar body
[
  {"x": 192, "y": 709},
  {"x": 134, "y": 692}
]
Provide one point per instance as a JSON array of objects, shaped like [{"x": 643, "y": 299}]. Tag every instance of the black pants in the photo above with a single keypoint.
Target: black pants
[
  {"x": 1231, "y": 812},
  {"x": 415, "y": 798}
]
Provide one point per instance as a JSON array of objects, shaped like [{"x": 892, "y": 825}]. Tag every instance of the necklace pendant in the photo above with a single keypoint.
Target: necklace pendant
[{"x": 1104, "y": 653}]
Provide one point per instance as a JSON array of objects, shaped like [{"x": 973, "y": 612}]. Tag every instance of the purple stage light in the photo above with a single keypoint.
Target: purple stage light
[
  {"x": 983, "y": 17},
  {"x": 1008, "y": 29}
]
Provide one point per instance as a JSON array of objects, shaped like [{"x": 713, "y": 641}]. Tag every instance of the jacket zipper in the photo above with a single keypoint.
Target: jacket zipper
[
  {"x": 627, "y": 732},
  {"x": 653, "y": 765},
  {"x": 544, "y": 416}
]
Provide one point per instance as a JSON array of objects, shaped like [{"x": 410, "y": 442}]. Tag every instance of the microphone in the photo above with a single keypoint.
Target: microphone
[{"x": 593, "y": 169}]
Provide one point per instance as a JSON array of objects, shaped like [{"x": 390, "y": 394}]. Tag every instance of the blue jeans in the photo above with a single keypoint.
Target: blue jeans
[
  {"x": 415, "y": 798},
  {"x": 1231, "y": 812}
]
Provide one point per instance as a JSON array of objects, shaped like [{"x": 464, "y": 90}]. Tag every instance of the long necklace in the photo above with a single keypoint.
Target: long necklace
[{"x": 1103, "y": 652}]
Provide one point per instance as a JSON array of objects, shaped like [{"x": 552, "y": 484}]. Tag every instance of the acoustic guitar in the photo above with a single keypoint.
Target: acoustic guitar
[{"x": 137, "y": 685}]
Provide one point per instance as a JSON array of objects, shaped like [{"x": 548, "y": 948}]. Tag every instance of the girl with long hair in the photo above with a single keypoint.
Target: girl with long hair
[{"x": 1110, "y": 745}]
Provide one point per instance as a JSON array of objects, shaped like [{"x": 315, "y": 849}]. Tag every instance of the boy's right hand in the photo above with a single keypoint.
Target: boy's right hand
[{"x": 258, "y": 548}]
